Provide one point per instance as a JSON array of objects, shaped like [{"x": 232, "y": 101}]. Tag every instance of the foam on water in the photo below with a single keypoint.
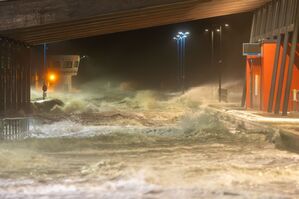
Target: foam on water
[{"x": 144, "y": 145}]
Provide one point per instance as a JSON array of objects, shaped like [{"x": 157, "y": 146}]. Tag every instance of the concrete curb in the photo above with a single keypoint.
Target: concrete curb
[{"x": 289, "y": 138}]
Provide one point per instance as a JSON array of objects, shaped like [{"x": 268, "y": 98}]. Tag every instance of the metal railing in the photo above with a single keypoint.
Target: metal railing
[{"x": 14, "y": 128}]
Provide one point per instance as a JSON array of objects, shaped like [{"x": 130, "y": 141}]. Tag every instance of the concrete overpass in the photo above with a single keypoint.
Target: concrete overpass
[{"x": 36, "y": 21}]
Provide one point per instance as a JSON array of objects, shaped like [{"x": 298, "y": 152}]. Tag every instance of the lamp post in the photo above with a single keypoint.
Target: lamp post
[
  {"x": 218, "y": 29},
  {"x": 45, "y": 88},
  {"x": 181, "y": 51}
]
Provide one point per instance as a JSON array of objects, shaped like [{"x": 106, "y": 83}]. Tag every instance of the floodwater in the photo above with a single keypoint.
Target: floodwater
[{"x": 144, "y": 146}]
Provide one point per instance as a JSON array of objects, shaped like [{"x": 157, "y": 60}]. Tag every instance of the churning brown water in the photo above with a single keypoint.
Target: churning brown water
[{"x": 169, "y": 149}]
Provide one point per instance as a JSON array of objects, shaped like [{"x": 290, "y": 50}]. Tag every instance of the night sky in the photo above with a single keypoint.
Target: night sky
[{"x": 148, "y": 57}]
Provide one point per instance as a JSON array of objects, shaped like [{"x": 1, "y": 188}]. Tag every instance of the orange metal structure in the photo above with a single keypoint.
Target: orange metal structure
[{"x": 259, "y": 71}]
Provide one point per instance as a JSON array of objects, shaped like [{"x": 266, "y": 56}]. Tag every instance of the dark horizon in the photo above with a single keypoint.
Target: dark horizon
[{"x": 148, "y": 57}]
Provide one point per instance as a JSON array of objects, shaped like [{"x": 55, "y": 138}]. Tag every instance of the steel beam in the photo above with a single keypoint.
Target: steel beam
[
  {"x": 274, "y": 74},
  {"x": 8, "y": 77},
  {"x": 4, "y": 64},
  {"x": 253, "y": 27},
  {"x": 283, "y": 11},
  {"x": 263, "y": 22},
  {"x": 294, "y": 14},
  {"x": 14, "y": 91},
  {"x": 1, "y": 78},
  {"x": 244, "y": 95},
  {"x": 269, "y": 17},
  {"x": 258, "y": 23},
  {"x": 276, "y": 17},
  {"x": 28, "y": 79},
  {"x": 282, "y": 72},
  {"x": 290, "y": 10},
  {"x": 291, "y": 63},
  {"x": 251, "y": 83}
]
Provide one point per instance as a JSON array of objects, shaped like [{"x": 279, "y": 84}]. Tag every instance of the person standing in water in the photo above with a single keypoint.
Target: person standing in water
[{"x": 45, "y": 89}]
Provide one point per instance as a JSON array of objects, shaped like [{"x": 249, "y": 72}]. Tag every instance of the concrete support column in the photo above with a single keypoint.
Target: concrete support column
[
  {"x": 1, "y": 78},
  {"x": 282, "y": 73},
  {"x": 274, "y": 75},
  {"x": 291, "y": 63},
  {"x": 14, "y": 77}
]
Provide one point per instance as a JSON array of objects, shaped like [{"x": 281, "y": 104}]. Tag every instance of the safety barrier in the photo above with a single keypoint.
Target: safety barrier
[{"x": 14, "y": 128}]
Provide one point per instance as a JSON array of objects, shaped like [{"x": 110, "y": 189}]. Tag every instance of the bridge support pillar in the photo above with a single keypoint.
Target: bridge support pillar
[{"x": 14, "y": 77}]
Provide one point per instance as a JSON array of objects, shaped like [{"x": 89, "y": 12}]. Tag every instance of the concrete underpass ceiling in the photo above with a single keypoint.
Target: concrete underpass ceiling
[{"x": 47, "y": 21}]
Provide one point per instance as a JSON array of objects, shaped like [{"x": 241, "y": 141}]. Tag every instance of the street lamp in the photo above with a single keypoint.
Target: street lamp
[
  {"x": 218, "y": 29},
  {"x": 45, "y": 88},
  {"x": 181, "y": 50}
]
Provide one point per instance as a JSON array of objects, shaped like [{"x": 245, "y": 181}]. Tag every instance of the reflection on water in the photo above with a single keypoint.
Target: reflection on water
[{"x": 154, "y": 149}]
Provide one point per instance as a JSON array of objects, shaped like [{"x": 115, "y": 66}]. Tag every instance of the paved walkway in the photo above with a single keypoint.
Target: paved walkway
[{"x": 287, "y": 126}]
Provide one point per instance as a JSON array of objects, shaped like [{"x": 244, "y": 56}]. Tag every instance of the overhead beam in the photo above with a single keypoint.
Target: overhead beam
[
  {"x": 58, "y": 20},
  {"x": 29, "y": 13}
]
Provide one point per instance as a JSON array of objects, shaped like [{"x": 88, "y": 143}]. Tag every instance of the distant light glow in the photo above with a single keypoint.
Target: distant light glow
[
  {"x": 218, "y": 30},
  {"x": 52, "y": 77},
  {"x": 226, "y": 25},
  {"x": 207, "y": 30},
  {"x": 182, "y": 35}
]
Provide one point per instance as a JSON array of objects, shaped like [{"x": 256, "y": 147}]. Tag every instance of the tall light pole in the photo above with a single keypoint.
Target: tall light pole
[
  {"x": 181, "y": 51},
  {"x": 45, "y": 88},
  {"x": 220, "y": 64},
  {"x": 219, "y": 29}
]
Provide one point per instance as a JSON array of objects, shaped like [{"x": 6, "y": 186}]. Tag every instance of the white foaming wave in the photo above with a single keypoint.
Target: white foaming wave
[
  {"x": 190, "y": 123},
  {"x": 11, "y": 182},
  {"x": 133, "y": 187},
  {"x": 72, "y": 129},
  {"x": 218, "y": 185}
]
